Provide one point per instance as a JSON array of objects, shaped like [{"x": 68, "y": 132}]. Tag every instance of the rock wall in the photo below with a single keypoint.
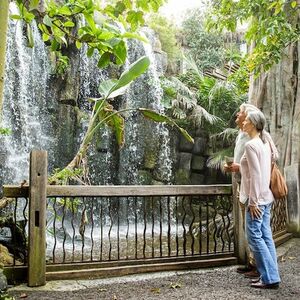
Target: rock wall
[{"x": 277, "y": 93}]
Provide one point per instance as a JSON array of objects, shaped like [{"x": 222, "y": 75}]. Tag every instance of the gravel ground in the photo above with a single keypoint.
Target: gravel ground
[{"x": 216, "y": 283}]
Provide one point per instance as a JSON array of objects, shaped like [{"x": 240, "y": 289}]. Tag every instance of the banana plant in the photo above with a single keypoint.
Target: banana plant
[{"x": 104, "y": 114}]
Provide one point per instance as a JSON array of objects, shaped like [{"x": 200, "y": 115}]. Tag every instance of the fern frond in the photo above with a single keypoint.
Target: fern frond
[{"x": 217, "y": 159}]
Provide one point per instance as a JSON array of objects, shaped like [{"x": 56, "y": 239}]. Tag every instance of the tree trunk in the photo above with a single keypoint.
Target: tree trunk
[
  {"x": 277, "y": 93},
  {"x": 4, "y": 11}
]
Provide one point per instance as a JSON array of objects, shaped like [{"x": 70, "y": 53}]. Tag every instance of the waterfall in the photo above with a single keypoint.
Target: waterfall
[
  {"x": 25, "y": 105},
  {"x": 145, "y": 140},
  {"x": 35, "y": 112},
  {"x": 99, "y": 153}
]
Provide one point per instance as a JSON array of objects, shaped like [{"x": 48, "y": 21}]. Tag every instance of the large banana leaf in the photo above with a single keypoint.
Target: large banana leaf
[
  {"x": 155, "y": 116},
  {"x": 111, "y": 88}
]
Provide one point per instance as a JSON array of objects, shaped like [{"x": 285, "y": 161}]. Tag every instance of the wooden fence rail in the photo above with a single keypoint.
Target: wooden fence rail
[{"x": 173, "y": 227}]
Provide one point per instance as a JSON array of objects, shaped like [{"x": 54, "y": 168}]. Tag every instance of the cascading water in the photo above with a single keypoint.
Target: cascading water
[
  {"x": 31, "y": 108},
  {"x": 25, "y": 108},
  {"x": 99, "y": 152},
  {"x": 147, "y": 143}
]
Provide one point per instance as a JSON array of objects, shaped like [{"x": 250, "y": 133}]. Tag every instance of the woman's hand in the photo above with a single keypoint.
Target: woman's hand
[
  {"x": 255, "y": 212},
  {"x": 233, "y": 167}
]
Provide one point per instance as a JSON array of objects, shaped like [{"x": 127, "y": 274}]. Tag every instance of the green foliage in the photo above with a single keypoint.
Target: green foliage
[
  {"x": 240, "y": 79},
  {"x": 161, "y": 118},
  {"x": 5, "y": 131},
  {"x": 167, "y": 35},
  {"x": 6, "y": 296},
  {"x": 272, "y": 26},
  {"x": 62, "y": 24},
  {"x": 61, "y": 62},
  {"x": 219, "y": 98},
  {"x": 182, "y": 103},
  {"x": 63, "y": 176},
  {"x": 206, "y": 49},
  {"x": 104, "y": 114}
]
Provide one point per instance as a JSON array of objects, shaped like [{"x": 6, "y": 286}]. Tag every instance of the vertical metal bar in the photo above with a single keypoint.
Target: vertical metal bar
[
  {"x": 207, "y": 225},
  {"x": 118, "y": 227},
  {"x": 73, "y": 230},
  {"x": 128, "y": 224},
  {"x": 110, "y": 228},
  {"x": 54, "y": 230},
  {"x": 82, "y": 228},
  {"x": 92, "y": 228},
  {"x": 169, "y": 226},
  {"x": 145, "y": 227},
  {"x": 24, "y": 227},
  {"x": 200, "y": 226},
  {"x": 192, "y": 222},
  {"x": 101, "y": 228},
  {"x": 215, "y": 224},
  {"x": 160, "y": 226},
  {"x": 177, "y": 224},
  {"x": 14, "y": 231},
  {"x": 229, "y": 208},
  {"x": 183, "y": 225},
  {"x": 153, "y": 245},
  {"x": 64, "y": 229},
  {"x": 135, "y": 226}
]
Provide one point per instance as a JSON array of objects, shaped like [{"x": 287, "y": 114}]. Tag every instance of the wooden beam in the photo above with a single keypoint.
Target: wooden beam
[
  {"x": 108, "y": 264},
  {"x": 37, "y": 218},
  {"x": 148, "y": 190},
  {"x": 15, "y": 191},
  {"x": 145, "y": 268}
]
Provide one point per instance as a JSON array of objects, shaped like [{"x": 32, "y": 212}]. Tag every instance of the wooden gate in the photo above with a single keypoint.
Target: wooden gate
[{"x": 97, "y": 231}]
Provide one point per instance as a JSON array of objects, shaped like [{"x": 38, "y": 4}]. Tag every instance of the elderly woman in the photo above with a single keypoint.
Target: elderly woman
[{"x": 255, "y": 167}]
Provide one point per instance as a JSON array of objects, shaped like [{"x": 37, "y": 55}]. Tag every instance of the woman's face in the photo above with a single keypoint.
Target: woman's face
[
  {"x": 248, "y": 126},
  {"x": 240, "y": 118}
]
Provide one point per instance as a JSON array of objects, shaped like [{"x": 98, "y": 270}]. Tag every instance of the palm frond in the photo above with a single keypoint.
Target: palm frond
[
  {"x": 182, "y": 88},
  {"x": 217, "y": 159},
  {"x": 193, "y": 66},
  {"x": 227, "y": 134},
  {"x": 200, "y": 113},
  {"x": 178, "y": 113}
]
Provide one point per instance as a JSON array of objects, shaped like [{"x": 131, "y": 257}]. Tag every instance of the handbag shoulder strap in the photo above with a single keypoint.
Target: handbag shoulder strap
[{"x": 272, "y": 163}]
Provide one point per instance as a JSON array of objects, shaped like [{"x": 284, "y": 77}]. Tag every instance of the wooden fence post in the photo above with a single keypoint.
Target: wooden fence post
[
  {"x": 239, "y": 231},
  {"x": 37, "y": 218}
]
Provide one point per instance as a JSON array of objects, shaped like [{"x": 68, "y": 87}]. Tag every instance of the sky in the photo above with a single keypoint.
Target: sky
[{"x": 174, "y": 9}]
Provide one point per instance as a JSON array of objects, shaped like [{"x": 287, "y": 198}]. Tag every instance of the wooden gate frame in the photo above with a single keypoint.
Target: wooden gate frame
[{"x": 38, "y": 178}]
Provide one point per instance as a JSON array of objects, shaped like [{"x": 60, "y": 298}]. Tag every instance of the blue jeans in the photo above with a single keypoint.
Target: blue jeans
[{"x": 260, "y": 240}]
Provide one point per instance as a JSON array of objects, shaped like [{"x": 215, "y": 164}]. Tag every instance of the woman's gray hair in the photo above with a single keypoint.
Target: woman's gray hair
[
  {"x": 248, "y": 107},
  {"x": 258, "y": 119}
]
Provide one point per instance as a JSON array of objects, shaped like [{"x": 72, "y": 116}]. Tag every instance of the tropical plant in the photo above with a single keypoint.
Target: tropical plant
[
  {"x": 206, "y": 49},
  {"x": 224, "y": 140},
  {"x": 104, "y": 114},
  {"x": 167, "y": 35},
  {"x": 272, "y": 25},
  {"x": 102, "y": 27},
  {"x": 219, "y": 97},
  {"x": 182, "y": 103}
]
